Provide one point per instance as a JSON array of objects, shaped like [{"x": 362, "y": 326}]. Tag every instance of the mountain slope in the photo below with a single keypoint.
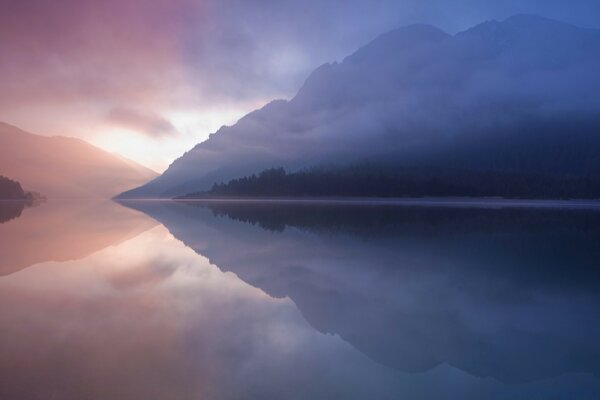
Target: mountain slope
[
  {"x": 517, "y": 96},
  {"x": 61, "y": 167}
]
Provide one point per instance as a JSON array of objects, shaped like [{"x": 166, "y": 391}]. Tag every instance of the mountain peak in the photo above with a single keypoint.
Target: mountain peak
[
  {"x": 532, "y": 19},
  {"x": 415, "y": 95},
  {"x": 525, "y": 24},
  {"x": 399, "y": 40},
  {"x": 423, "y": 31}
]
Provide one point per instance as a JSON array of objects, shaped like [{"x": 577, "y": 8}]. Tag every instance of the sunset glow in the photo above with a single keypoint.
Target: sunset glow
[
  {"x": 196, "y": 65},
  {"x": 158, "y": 152},
  {"x": 292, "y": 200}
]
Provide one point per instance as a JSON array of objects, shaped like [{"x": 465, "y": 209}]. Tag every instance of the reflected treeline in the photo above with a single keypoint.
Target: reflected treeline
[
  {"x": 543, "y": 240},
  {"x": 10, "y": 210},
  {"x": 494, "y": 292},
  {"x": 374, "y": 220}
]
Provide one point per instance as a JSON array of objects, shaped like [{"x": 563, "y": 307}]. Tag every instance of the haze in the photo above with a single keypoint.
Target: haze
[{"x": 149, "y": 80}]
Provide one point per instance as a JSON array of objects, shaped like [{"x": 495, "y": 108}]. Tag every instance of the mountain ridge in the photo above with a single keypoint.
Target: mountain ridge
[
  {"x": 417, "y": 90},
  {"x": 65, "y": 167}
]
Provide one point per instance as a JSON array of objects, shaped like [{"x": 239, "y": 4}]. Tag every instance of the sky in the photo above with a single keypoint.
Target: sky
[{"x": 148, "y": 79}]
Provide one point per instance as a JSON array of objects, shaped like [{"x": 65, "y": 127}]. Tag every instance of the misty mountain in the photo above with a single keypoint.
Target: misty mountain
[
  {"x": 62, "y": 167},
  {"x": 519, "y": 96}
]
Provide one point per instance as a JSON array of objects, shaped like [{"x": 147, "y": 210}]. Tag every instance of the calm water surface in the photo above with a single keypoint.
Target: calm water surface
[{"x": 164, "y": 300}]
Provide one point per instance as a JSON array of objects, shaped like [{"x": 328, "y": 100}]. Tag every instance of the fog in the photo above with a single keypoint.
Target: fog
[{"x": 412, "y": 89}]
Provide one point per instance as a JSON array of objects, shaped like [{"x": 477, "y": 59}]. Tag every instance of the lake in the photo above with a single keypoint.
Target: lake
[{"x": 227, "y": 300}]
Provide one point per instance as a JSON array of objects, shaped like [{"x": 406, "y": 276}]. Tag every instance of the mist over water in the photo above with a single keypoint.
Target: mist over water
[
  {"x": 411, "y": 211},
  {"x": 225, "y": 301}
]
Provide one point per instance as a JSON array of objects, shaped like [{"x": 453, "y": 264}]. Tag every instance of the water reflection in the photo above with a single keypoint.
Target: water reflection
[
  {"x": 60, "y": 231},
  {"x": 150, "y": 319},
  {"x": 324, "y": 303},
  {"x": 493, "y": 292}
]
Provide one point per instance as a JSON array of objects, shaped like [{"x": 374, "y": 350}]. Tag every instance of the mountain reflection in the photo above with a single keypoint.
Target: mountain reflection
[
  {"x": 62, "y": 230},
  {"x": 494, "y": 292},
  {"x": 136, "y": 313}
]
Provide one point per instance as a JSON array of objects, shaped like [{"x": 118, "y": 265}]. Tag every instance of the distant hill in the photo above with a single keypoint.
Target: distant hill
[
  {"x": 61, "y": 167},
  {"x": 518, "y": 97}
]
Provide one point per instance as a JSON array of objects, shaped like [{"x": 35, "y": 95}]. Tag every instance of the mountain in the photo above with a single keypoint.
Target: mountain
[
  {"x": 519, "y": 96},
  {"x": 61, "y": 167}
]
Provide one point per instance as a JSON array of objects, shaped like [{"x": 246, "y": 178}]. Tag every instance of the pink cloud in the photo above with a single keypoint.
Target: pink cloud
[
  {"x": 84, "y": 49},
  {"x": 146, "y": 122}
]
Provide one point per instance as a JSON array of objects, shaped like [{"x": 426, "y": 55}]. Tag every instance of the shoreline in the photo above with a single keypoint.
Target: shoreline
[{"x": 457, "y": 202}]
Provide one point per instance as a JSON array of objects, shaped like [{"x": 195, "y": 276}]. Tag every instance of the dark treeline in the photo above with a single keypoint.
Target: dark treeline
[
  {"x": 359, "y": 219},
  {"x": 10, "y": 189},
  {"x": 555, "y": 236},
  {"x": 372, "y": 181}
]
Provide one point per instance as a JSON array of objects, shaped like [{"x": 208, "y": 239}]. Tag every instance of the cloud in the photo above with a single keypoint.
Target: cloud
[
  {"x": 149, "y": 123},
  {"x": 87, "y": 50},
  {"x": 206, "y": 51},
  {"x": 70, "y": 64}
]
